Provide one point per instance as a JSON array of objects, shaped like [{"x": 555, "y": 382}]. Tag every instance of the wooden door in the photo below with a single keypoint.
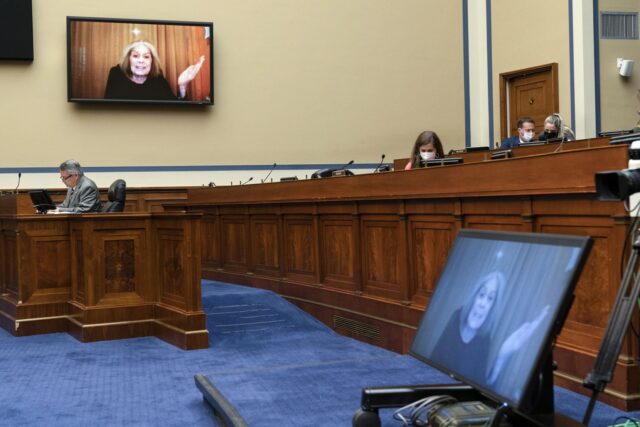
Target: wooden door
[{"x": 529, "y": 92}]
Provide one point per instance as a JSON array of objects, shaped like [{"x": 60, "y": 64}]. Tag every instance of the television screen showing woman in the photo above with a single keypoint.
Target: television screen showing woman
[
  {"x": 133, "y": 61},
  {"x": 496, "y": 308}
]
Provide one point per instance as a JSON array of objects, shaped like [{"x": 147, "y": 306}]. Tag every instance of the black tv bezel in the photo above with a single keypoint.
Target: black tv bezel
[
  {"x": 526, "y": 404},
  {"x": 70, "y": 98},
  {"x": 16, "y": 31}
]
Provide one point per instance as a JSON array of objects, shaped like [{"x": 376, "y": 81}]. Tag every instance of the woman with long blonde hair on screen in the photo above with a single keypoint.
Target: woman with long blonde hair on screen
[{"x": 139, "y": 75}]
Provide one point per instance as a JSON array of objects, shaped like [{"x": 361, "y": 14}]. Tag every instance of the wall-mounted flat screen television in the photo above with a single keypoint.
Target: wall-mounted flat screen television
[
  {"x": 16, "y": 30},
  {"x": 139, "y": 61},
  {"x": 497, "y": 309}
]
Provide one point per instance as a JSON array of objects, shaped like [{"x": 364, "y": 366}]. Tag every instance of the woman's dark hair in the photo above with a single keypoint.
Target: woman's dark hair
[{"x": 426, "y": 137}]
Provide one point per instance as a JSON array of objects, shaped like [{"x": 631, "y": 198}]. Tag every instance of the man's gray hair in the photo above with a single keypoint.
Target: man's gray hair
[{"x": 71, "y": 166}]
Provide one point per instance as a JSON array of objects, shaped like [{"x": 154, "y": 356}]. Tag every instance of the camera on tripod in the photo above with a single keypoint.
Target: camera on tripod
[{"x": 620, "y": 185}]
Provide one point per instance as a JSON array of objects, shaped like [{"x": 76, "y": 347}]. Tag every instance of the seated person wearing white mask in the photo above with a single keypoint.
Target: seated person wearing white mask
[
  {"x": 427, "y": 147},
  {"x": 526, "y": 133}
]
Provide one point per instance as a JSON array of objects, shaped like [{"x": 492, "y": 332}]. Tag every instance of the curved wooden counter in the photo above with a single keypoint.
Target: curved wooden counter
[
  {"x": 363, "y": 253},
  {"x": 101, "y": 276}
]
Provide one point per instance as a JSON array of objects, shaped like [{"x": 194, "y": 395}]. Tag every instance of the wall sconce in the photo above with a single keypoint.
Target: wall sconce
[{"x": 625, "y": 67}]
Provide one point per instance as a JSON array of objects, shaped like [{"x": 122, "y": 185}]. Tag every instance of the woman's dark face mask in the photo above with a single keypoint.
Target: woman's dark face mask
[{"x": 550, "y": 134}]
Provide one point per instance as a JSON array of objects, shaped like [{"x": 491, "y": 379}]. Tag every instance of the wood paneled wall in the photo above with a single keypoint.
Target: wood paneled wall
[
  {"x": 102, "y": 276},
  {"x": 364, "y": 253},
  {"x": 147, "y": 199}
]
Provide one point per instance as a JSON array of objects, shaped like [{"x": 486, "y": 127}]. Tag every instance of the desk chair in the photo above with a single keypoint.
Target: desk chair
[{"x": 116, "y": 197}]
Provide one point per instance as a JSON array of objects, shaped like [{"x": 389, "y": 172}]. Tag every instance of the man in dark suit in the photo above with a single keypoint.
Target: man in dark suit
[
  {"x": 82, "y": 194},
  {"x": 526, "y": 132}
]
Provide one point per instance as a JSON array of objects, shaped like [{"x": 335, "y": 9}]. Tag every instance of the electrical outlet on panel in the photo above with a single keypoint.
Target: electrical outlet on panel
[{"x": 634, "y": 163}]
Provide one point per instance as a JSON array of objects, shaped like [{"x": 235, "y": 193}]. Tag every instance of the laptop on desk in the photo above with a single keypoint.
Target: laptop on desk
[{"x": 41, "y": 200}]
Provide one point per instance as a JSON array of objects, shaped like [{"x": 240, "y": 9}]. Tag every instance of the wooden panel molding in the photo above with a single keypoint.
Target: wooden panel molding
[
  {"x": 210, "y": 241},
  {"x": 384, "y": 257},
  {"x": 96, "y": 276},
  {"x": 369, "y": 248},
  {"x": 172, "y": 270},
  {"x": 235, "y": 234},
  {"x": 300, "y": 254},
  {"x": 429, "y": 244},
  {"x": 265, "y": 249},
  {"x": 339, "y": 238}
]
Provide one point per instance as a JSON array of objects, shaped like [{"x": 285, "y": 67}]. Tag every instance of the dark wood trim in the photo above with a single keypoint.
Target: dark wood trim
[
  {"x": 101, "y": 277},
  {"x": 504, "y": 81},
  {"x": 394, "y": 233}
]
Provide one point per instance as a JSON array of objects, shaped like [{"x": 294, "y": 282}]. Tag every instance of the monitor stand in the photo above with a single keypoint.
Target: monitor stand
[{"x": 542, "y": 414}]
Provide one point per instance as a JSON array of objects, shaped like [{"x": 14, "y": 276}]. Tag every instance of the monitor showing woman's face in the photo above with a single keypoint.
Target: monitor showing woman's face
[
  {"x": 482, "y": 304},
  {"x": 140, "y": 60},
  {"x": 493, "y": 316}
]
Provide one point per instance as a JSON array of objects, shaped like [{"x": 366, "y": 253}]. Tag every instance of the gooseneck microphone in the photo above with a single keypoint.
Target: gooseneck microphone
[
  {"x": 18, "y": 185},
  {"x": 246, "y": 182},
  {"x": 379, "y": 164},
  {"x": 272, "y": 168},
  {"x": 347, "y": 165},
  {"x": 325, "y": 173}
]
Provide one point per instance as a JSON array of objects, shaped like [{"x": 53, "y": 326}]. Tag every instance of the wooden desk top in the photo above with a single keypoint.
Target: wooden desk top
[
  {"x": 481, "y": 156},
  {"x": 562, "y": 172}
]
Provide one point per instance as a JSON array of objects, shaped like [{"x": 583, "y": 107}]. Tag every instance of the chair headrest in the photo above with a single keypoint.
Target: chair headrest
[{"x": 117, "y": 191}]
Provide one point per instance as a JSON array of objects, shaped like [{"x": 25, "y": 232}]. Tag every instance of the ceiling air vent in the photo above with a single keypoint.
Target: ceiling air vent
[{"x": 619, "y": 25}]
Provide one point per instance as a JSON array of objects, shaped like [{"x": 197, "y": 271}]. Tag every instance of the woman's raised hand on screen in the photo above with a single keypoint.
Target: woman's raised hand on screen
[
  {"x": 188, "y": 75},
  {"x": 515, "y": 341},
  {"x": 518, "y": 337}
]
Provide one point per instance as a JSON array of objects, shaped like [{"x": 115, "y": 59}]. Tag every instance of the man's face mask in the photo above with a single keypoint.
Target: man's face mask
[{"x": 527, "y": 136}]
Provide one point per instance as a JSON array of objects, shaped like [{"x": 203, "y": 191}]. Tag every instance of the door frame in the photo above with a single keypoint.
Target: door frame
[{"x": 505, "y": 80}]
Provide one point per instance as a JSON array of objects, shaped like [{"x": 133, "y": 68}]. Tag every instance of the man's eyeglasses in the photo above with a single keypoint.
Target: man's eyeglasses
[{"x": 65, "y": 178}]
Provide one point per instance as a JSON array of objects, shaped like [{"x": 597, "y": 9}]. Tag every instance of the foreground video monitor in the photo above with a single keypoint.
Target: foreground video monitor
[
  {"x": 498, "y": 305},
  {"x": 139, "y": 61}
]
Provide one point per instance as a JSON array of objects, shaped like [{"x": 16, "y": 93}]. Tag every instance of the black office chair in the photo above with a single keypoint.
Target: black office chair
[{"x": 117, "y": 195}]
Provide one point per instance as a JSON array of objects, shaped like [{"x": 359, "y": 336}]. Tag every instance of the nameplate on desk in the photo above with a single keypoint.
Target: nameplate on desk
[
  {"x": 340, "y": 172},
  {"x": 502, "y": 154},
  {"x": 441, "y": 162}
]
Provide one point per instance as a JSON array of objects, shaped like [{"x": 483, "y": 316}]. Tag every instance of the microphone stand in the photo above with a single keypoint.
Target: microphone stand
[
  {"x": 272, "y": 168},
  {"x": 379, "y": 164},
  {"x": 246, "y": 182},
  {"x": 346, "y": 166},
  {"x": 18, "y": 185}
]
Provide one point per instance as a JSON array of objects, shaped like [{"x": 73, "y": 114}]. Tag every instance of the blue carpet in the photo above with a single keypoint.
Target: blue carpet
[
  {"x": 310, "y": 376},
  {"x": 274, "y": 363}
]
